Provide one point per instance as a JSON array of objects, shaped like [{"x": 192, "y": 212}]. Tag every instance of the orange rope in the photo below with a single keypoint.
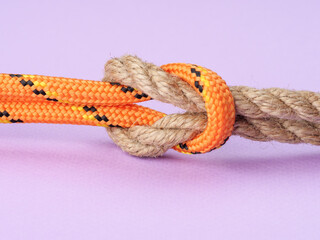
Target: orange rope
[
  {"x": 51, "y": 112},
  {"x": 219, "y": 104},
  {"x": 68, "y": 90},
  {"x": 42, "y": 99}
]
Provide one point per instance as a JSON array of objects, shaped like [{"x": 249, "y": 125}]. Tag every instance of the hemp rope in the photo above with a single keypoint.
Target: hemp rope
[{"x": 261, "y": 115}]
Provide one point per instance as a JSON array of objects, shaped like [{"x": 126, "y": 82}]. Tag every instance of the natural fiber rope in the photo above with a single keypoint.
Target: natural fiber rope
[
  {"x": 263, "y": 115},
  {"x": 175, "y": 128},
  {"x": 250, "y": 102}
]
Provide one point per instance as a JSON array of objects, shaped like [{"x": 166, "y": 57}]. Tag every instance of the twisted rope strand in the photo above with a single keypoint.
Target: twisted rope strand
[
  {"x": 263, "y": 115},
  {"x": 155, "y": 140},
  {"x": 154, "y": 81},
  {"x": 278, "y": 103},
  {"x": 250, "y": 102},
  {"x": 281, "y": 130}
]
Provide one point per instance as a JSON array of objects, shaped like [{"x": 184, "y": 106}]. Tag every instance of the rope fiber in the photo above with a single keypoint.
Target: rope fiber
[{"x": 213, "y": 111}]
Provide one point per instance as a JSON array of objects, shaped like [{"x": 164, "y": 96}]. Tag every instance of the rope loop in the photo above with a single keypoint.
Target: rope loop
[
  {"x": 219, "y": 104},
  {"x": 192, "y": 87}
]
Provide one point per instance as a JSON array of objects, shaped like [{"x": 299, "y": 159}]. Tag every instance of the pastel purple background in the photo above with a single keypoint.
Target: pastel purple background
[{"x": 72, "y": 182}]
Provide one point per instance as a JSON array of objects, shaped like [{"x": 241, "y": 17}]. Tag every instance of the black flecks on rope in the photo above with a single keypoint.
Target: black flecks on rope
[
  {"x": 16, "y": 75},
  {"x": 6, "y": 114},
  {"x": 183, "y": 146},
  {"x": 87, "y": 109},
  {"x": 101, "y": 118},
  {"x": 197, "y": 83},
  {"x": 25, "y": 83}
]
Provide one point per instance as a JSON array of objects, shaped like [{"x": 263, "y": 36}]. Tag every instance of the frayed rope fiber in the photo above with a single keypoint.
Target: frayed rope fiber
[{"x": 214, "y": 111}]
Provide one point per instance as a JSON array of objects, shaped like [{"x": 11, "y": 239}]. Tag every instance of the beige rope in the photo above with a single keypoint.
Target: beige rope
[
  {"x": 175, "y": 128},
  {"x": 263, "y": 115}
]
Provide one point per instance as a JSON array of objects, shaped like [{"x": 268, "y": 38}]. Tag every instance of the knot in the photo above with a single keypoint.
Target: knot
[
  {"x": 262, "y": 115},
  {"x": 181, "y": 85},
  {"x": 154, "y": 81},
  {"x": 212, "y": 112},
  {"x": 155, "y": 140}
]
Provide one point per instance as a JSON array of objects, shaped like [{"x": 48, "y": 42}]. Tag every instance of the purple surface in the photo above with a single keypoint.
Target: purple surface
[{"x": 72, "y": 182}]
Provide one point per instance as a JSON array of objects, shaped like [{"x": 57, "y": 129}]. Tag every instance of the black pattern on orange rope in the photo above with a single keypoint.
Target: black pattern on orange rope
[
  {"x": 25, "y": 83},
  {"x": 6, "y": 114},
  {"x": 97, "y": 116},
  {"x": 52, "y": 99},
  {"x": 218, "y": 102},
  {"x": 101, "y": 118},
  {"x": 183, "y": 146},
  {"x": 115, "y": 84},
  {"x": 196, "y": 83},
  {"x": 35, "y": 91},
  {"x": 15, "y": 75},
  {"x": 16, "y": 121},
  {"x": 125, "y": 89},
  {"x": 38, "y": 87},
  {"x": 87, "y": 109},
  {"x": 111, "y": 125}
]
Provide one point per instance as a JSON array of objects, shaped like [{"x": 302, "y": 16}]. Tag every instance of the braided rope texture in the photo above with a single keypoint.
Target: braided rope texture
[
  {"x": 262, "y": 115},
  {"x": 42, "y": 99},
  {"x": 219, "y": 106}
]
